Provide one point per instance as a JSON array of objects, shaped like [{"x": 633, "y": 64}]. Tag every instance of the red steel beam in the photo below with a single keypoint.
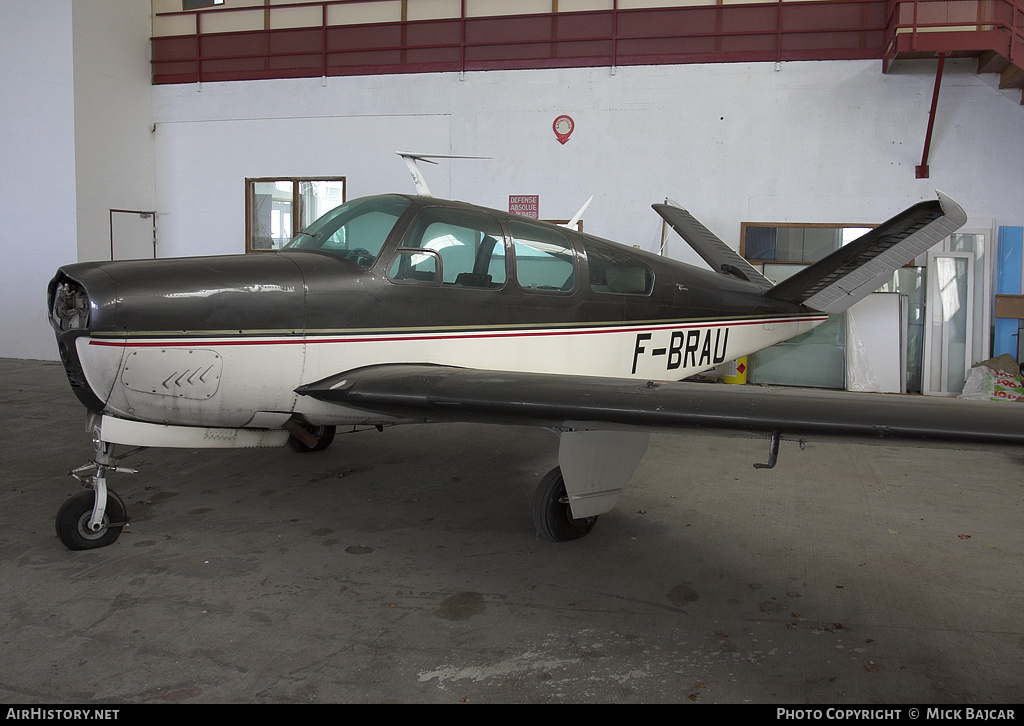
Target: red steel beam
[{"x": 922, "y": 170}]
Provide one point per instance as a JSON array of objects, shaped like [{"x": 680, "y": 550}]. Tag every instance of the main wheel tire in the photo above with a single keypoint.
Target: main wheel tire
[
  {"x": 72, "y": 522},
  {"x": 324, "y": 436},
  {"x": 551, "y": 513}
]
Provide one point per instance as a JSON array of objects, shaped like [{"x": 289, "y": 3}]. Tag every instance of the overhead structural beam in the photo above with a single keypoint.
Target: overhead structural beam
[{"x": 922, "y": 170}]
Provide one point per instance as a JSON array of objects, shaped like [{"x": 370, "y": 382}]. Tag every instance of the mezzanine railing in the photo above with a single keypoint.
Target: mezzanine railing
[{"x": 771, "y": 31}]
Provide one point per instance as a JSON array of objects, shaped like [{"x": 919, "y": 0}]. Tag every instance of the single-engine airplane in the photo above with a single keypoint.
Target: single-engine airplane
[{"x": 407, "y": 308}]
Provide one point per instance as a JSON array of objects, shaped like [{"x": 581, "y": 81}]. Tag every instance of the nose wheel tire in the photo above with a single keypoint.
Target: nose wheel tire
[
  {"x": 551, "y": 513},
  {"x": 72, "y": 522}
]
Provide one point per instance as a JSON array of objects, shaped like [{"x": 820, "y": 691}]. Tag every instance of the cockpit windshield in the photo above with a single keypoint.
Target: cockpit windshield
[{"x": 355, "y": 231}]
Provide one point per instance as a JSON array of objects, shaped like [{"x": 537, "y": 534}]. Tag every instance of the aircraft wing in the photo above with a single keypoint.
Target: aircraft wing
[{"x": 421, "y": 392}]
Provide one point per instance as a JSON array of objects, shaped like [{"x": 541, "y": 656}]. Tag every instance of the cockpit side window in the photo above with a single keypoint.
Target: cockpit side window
[
  {"x": 355, "y": 231},
  {"x": 467, "y": 246},
  {"x": 615, "y": 272},
  {"x": 545, "y": 260}
]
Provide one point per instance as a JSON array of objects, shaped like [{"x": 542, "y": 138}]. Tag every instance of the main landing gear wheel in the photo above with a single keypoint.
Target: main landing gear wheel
[
  {"x": 72, "y": 523},
  {"x": 551, "y": 513},
  {"x": 324, "y": 435}
]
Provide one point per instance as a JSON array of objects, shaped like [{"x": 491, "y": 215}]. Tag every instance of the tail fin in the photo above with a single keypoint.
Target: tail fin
[
  {"x": 854, "y": 271},
  {"x": 712, "y": 250},
  {"x": 846, "y": 276}
]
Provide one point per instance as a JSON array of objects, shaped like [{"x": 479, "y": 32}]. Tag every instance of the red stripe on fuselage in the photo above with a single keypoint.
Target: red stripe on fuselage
[{"x": 308, "y": 339}]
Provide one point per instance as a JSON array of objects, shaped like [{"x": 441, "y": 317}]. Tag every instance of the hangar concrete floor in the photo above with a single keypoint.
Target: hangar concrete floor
[{"x": 403, "y": 567}]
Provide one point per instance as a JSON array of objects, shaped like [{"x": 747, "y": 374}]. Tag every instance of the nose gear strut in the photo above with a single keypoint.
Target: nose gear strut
[{"x": 94, "y": 518}]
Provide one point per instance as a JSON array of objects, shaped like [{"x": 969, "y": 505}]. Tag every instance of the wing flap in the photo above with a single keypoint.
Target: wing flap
[{"x": 421, "y": 392}]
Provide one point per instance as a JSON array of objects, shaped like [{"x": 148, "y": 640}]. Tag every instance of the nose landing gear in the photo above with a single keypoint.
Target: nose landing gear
[
  {"x": 94, "y": 518},
  {"x": 74, "y": 518}
]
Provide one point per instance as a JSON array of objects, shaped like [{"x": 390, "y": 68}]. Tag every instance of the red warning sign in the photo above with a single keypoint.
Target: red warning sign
[{"x": 527, "y": 205}]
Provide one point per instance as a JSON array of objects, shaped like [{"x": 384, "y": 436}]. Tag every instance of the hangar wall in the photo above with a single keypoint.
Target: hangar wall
[
  {"x": 113, "y": 117},
  {"x": 827, "y": 141},
  {"x": 37, "y": 155},
  {"x": 76, "y": 114}
]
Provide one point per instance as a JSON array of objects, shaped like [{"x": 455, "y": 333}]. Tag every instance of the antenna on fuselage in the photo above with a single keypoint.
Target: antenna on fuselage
[{"x": 411, "y": 161}]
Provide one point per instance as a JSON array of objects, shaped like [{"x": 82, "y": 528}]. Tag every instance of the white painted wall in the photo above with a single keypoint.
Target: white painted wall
[
  {"x": 811, "y": 142},
  {"x": 114, "y": 148},
  {"x": 201, "y": 205},
  {"x": 37, "y": 159},
  {"x": 75, "y": 141}
]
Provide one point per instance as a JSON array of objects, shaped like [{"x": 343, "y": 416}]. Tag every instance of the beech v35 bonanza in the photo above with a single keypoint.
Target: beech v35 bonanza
[{"x": 398, "y": 309}]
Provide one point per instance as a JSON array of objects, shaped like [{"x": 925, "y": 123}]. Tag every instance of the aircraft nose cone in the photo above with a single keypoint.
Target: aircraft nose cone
[{"x": 203, "y": 296}]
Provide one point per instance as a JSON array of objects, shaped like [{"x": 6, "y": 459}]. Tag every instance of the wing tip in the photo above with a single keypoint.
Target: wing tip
[
  {"x": 841, "y": 279},
  {"x": 951, "y": 209}
]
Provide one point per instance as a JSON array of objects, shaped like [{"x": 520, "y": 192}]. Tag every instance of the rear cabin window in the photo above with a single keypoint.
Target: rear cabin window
[
  {"x": 613, "y": 271},
  {"x": 545, "y": 260}
]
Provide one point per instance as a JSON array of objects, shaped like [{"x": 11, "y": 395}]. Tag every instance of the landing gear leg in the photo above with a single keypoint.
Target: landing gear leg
[{"x": 93, "y": 518}]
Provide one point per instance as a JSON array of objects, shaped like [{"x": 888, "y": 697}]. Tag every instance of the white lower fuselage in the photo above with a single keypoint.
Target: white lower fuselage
[{"x": 234, "y": 381}]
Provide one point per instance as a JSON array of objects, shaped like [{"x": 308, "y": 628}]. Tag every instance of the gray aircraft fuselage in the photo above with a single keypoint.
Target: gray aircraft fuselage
[{"x": 313, "y": 293}]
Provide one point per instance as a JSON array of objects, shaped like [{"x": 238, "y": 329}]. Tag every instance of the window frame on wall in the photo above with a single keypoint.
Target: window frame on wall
[
  {"x": 803, "y": 258},
  {"x": 298, "y": 218}
]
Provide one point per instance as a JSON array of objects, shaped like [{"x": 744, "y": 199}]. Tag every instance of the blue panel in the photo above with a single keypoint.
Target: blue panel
[{"x": 1008, "y": 276}]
